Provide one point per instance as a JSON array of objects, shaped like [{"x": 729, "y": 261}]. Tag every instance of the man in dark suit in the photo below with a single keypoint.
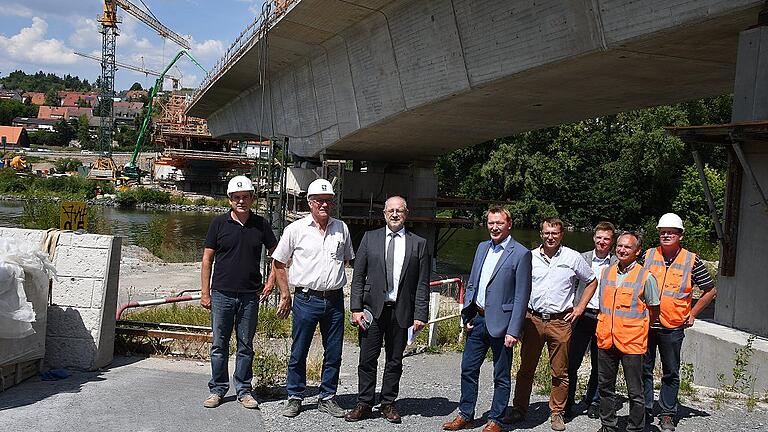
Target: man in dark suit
[
  {"x": 391, "y": 280},
  {"x": 495, "y": 302}
]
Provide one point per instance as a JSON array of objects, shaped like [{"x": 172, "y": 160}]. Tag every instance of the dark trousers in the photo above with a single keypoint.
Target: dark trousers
[
  {"x": 668, "y": 342},
  {"x": 384, "y": 330},
  {"x": 475, "y": 348},
  {"x": 583, "y": 337},
  {"x": 238, "y": 311},
  {"x": 309, "y": 311},
  {"x": 632, "y": 364}
]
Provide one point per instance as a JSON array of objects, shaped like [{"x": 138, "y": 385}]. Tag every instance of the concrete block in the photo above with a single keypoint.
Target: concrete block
[
  {"x": 63, "y": 352},
  {"x": 82, "y": 262},
  {"x": 25, "y": 235},
  {"x": 74, "y": 291},
  {"x": 95, "y": 241},
  {"x": 74, "y": 323},
  {"x": 711, "y": 349}
]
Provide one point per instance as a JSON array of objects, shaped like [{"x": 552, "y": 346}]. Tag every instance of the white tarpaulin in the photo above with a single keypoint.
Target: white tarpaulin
[{"x": 24, "y": 272}]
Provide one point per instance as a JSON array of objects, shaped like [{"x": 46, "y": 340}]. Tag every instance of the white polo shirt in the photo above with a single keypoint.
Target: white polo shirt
[
  {"x": 554, "y": 280},
  {"x": 598, "y": 264},
  {"x": 316, "y": 261}
]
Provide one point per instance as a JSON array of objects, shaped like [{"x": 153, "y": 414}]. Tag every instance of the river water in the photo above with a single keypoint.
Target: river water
[{"x": 184, "y": 233}]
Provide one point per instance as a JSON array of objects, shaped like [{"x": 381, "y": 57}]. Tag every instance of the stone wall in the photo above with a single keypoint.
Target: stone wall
[{"x": 81, "y": 314}]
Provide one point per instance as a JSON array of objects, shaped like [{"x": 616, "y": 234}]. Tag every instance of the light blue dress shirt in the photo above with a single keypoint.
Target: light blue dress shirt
[{"x": 489, "y": 264}]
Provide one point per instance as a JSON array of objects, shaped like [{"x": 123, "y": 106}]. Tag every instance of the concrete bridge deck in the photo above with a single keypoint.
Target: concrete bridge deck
[{"x": 403, "y": 80}]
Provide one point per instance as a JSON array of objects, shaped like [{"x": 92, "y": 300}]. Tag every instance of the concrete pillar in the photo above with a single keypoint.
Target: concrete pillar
[{"x": 742, "y": 297}]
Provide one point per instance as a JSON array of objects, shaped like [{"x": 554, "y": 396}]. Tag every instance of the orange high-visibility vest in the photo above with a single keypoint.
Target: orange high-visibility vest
[
  {"x": 623, "y": 320},
  {"x": 675, "y": 285}
]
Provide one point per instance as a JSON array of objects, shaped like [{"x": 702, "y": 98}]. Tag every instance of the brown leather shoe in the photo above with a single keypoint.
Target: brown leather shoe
[
  {"x": 361, "y": 411},
  {"x": 458, "y": 423},
  {"x": 492, "y": 426},
  {"x": 389, "y": 412}
]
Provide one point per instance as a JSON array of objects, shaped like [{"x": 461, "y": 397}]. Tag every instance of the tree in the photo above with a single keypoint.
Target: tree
[
  {"x": 10, "y": 109},
  {"x": 52, "y": 98},
  {"x": 136, "y": 86},
  {"x": 65, "y": 132},
  {"x": 84, "y": 132}
]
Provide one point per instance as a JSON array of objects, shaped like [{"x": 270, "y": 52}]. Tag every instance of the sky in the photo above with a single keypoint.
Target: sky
[{"x": 42, "y": 35}]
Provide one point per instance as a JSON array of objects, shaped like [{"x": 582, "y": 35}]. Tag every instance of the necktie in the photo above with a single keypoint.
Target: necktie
[{"x": 390, "y": 262}]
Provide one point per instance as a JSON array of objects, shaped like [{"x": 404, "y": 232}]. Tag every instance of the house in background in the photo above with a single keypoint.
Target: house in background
[
  {"x": 14, "y": 136},
  {"x": 71, "y": 98},
  {"x": 11, "y": 95},
  {"x": 32, "y": 124},
  {"x": 65, "y": 113},
  {"x": 36, "y": 98}
]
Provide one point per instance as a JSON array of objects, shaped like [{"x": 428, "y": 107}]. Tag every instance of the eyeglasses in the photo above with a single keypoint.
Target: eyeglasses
[
  {"x": 551, "y": 234},
  {"x": 668, "y": 233},
  {"x": 318, "y": 201},
  {"x": 395, "y": 210},
  {"x": 240, "y": 198}
]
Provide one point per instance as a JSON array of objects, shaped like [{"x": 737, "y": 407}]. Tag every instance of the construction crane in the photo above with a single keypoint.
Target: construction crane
[
  {"x": 143, "y": 70},
  {"x": 109, "y": 21}
]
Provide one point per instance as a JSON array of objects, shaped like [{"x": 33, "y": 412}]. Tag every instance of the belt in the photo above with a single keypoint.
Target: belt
[
  {"x": 480, "y": 311},
  {"x": 321, "y": 294},
  {"x": 549, "y": 316}
]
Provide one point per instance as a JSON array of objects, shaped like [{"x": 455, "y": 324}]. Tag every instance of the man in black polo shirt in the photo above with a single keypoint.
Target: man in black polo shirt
[{"x": 234, "y": 243}]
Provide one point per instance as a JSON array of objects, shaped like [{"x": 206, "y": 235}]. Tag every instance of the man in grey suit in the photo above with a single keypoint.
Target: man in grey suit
[
  {"x": 391, "y": 280},
  {"x": 583, "y": 335},
  {"x": 495, "y": 302}
]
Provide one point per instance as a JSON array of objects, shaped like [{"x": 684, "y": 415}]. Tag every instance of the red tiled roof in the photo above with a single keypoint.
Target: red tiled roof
[{"x": 11, "y": 133}]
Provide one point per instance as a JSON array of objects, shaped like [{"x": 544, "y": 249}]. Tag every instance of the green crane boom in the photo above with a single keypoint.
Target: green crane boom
[{"x": 131, "y": 169}]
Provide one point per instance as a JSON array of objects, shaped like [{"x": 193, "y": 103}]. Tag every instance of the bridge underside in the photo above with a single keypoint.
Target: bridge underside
[{"x": 403, "y": 80}]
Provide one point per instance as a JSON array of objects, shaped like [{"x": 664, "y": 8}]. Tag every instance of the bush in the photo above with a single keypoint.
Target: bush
[
  {"x": 46, "y": 214},
  {"x": 67, "y": 164},
  {"x": 12, "y": 183}
]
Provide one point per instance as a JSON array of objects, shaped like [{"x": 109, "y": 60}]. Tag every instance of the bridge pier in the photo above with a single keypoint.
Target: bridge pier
[
  {"x": 370, "y": 183},
  {"x": 742, "y": 295}
]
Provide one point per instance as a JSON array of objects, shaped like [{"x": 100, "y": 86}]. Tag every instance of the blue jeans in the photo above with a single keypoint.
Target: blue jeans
[
  {"x": 583, "y": 337},
  {"x": 669, "y": 342},
  {"x": 241, "y": 311},
  {"x": 478, "y": 342},
  {"x": 309, "y": 311}
]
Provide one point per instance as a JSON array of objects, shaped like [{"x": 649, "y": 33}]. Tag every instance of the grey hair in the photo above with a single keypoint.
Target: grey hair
[{"x": 405, "y": 204}]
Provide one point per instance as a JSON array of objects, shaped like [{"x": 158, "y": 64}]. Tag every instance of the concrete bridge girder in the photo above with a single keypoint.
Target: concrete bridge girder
[{"x": 371, "y": 79}]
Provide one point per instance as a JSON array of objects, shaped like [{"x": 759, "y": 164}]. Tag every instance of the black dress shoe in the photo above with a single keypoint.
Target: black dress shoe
[
  {"x": 593, "y": 411},
  {"x": 361, "y": 411},
  {"x": 390, "y": 413}
]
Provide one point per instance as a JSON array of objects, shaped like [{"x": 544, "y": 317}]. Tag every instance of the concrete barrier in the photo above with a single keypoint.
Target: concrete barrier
[
  {"x": 81, "y": 314},
  {"x": 711, "y": 349}
]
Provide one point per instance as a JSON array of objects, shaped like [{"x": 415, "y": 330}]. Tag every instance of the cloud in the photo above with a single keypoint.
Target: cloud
[
  {"x": 86, "y": 34},
  {"x": 30, "y": 46},
  {"x": 210, "y": 49}
]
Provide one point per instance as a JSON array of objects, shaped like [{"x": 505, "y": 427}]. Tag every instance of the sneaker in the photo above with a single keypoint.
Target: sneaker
[
  {"x": 212, "y": 401},
  {"x": 292, "y": 408},
  {"x": 330, "y": 406},
  {"x": 593, "y": 411},
  {"x": 666, "y": 423},
  {"x": 557, "y": 422},
  {"x": 248, "y": 401}
]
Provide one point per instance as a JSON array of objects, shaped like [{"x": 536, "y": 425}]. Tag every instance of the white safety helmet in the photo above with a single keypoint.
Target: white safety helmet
[
  {"x": 240, "y": 184},
  {"x": 670, "y": 220},
  {"x": 320, "y": 186}
]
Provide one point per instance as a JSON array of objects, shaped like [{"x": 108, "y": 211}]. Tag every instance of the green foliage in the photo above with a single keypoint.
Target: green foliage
[
  {"x": 83, "y": 132},
  {"x": 131, "y": 197},
  {"x": 271, "y": 326},
  {"x": 65, "y": 132},
  {"x": 12, "y": 183},
  {"x": 41, "y": 214},
  {"x": 136, "y": 86},
  {"x": 691, "y": 205},
  {"x": 175, "y": 313},
  {"x": 67, "y": 164},
  {"x": 44, "y": 138},
  {"x": 686, "y": 380},
  {"x": 42, "y": 82},
  {"x": 742, "y": 381},
  {"x": 624, "y": 168},
  {"x": 10, "y": 109},
  {"x": 69, "y": 187},
  {"x": 126, "y": 137},
  {"x": 52, "y": 97}
]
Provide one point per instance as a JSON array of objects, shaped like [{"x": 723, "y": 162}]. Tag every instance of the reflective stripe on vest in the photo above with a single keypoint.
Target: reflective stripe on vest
[
  {"x": 675, "y": 282},
  {"x": 623, "y": 324}
]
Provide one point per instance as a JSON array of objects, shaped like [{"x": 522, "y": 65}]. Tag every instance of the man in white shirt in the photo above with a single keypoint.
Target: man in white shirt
[
  {"x": 583, "y": 336},
  {"x": 317, "y": 248},
  {"x": 556, "y": 269}
]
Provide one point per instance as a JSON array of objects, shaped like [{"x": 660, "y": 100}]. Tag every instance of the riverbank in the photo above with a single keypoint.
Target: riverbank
[{"x": 111, "y": 201}]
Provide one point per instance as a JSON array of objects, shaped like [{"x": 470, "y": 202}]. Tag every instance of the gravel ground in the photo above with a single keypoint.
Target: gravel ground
[{"x": 430, "y": 392}]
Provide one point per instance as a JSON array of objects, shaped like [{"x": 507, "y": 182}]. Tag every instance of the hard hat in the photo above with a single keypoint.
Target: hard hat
[
  {"x": 320, "y": 187},
  {"x": 240, "y": 184},
  {"x": 670, "y": 220}
]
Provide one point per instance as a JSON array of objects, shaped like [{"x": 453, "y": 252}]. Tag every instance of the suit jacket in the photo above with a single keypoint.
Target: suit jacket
[
  {"x": 588, "y": 258},
  {"x": 507, "y": 293},
  {"x": 369, "y": 280}
]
